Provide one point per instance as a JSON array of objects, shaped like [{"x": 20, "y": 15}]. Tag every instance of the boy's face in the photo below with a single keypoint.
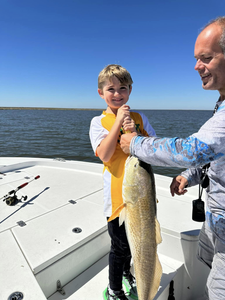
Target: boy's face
[{"x": 115, "y": 94}]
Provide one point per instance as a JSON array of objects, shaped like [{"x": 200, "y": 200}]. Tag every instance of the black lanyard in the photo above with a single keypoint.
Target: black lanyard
[
  {"x": 198, "y": 210},
  {"x": 204, "y": 177}
]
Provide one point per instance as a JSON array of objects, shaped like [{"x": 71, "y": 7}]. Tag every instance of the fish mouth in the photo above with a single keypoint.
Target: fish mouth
[
  {"x": 128, "y": 160},
  {"x": 139, "y": 162}
]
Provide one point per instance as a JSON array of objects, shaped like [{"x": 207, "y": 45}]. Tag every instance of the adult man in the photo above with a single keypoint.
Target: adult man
[{"x": 205, "y": 146}]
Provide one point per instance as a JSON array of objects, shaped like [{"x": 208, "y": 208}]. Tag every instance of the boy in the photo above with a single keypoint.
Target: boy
[{"x": 114, "y": 86}]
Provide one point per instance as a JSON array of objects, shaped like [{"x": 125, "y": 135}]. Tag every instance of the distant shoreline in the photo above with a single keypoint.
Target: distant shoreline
[
  {"x": 47, "y": 108},
  {"x": 91, "y": 109}
]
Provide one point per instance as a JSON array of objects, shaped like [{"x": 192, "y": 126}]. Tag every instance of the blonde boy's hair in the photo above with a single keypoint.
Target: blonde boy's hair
[{"x": 114, "y": 70}]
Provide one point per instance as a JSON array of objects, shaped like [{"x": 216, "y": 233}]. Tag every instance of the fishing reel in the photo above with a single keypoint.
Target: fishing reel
[{"x": 12, "y": 199}]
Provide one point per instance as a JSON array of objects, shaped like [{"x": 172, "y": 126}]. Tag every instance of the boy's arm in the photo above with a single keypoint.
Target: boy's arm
[{"x": 107, "y": 147}]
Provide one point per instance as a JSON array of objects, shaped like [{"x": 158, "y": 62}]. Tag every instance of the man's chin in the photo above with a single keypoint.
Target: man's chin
[
  {"x": 204, "y": 86},
  {"x": 207, "y": 86}
]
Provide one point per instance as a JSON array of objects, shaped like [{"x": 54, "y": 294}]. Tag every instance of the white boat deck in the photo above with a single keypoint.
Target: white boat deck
[{"x": 39, "y": 244}]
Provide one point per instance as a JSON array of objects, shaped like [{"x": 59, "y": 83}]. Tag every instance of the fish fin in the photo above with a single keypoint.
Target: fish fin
[
  {"x": 158, "y": 232},
  {"x": 122, "y": 216},
  {"x": 156, "y": 279},
  {"x": 116, "y": 212}
]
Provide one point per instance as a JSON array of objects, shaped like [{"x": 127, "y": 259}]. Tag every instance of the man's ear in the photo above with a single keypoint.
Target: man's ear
[
  {"x": 130, "y": 89},
  {"x": 100, "y": 93}
]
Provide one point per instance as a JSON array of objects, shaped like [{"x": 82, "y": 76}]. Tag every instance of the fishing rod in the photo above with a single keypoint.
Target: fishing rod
[{"x": 11, "y": 197}]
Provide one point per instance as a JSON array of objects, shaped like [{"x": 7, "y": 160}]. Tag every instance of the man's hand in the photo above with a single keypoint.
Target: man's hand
[
  {"x": 178, "y": 185},
  {"x": 125, "y": 141}
]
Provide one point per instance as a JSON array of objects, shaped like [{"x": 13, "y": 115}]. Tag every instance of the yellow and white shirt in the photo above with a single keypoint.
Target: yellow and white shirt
[{"x": 114, "y": 169}]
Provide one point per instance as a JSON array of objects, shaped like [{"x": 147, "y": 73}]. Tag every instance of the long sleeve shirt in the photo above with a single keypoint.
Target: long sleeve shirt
[{"x": 206, "y": 145}]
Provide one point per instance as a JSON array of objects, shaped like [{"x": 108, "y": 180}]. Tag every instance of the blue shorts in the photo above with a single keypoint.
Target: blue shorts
[{"x": 212, "y": 252}]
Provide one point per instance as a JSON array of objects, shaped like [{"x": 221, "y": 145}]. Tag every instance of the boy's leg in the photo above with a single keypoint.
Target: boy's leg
[
  {"x": 119, "y": 255},
  {"x": 127, "y": 264}
]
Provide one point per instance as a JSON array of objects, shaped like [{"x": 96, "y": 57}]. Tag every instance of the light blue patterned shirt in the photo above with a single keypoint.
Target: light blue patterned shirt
[{"x": 206, "y": 145}]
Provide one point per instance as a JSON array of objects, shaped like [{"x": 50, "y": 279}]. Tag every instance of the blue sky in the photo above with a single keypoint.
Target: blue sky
[{"x": 52, "y": 51}]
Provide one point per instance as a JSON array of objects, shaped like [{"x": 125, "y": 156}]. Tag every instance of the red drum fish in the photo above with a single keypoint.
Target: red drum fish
[{"x": 138, "y": 211}]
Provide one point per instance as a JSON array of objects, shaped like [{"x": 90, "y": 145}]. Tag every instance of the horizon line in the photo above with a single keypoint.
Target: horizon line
[{"x": 65, "y": 108}]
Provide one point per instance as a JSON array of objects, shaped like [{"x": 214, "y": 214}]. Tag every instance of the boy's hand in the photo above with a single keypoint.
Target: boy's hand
[
  {"x": 129, "y": 125},
  {"x": 122, "y": 113},
  {"x": 178, "y": 185}
]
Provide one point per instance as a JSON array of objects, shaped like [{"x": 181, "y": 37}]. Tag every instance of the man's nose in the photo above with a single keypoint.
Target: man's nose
[{"x": 199, "y": 65}]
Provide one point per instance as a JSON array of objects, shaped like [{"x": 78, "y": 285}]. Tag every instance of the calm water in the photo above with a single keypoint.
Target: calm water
[{"x": 65, "y": 133}]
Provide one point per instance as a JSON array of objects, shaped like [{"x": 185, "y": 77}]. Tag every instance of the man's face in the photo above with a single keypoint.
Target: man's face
[{"x": 210, "y": 59}]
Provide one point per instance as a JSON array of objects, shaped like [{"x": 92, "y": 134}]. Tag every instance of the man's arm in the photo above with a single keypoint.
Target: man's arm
[
  {"x": 208, "y": 144},
  {"x": 171, "y": 152}
]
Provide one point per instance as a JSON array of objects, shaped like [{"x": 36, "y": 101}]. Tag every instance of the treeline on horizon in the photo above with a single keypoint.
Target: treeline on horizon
[
  {"x": 47, "y": 108},
  {"x": 101, "y": 109}
]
